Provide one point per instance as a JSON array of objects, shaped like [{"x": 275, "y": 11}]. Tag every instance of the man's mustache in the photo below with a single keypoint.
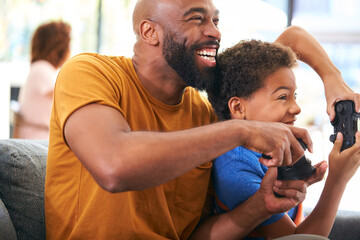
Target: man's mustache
[{"x": 201, "y": 45}]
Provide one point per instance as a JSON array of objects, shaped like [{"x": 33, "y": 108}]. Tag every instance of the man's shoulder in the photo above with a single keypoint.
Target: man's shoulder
[
  {"x": 85, "y": 63},
  {"x": 98, "y": 58}
]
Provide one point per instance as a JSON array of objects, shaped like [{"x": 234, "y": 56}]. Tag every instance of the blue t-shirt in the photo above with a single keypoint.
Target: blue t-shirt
[{"x": 237, "y": 175}]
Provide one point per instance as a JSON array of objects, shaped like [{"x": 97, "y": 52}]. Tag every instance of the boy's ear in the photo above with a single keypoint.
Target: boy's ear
[
  {"x": 237, "y": 108},
  {"x": 149, "y": 32}
]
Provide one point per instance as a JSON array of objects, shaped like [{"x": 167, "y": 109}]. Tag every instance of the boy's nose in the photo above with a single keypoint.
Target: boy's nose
[{"x": 295, "y": 109}]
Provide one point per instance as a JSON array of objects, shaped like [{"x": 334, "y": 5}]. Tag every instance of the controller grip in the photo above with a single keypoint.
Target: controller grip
[{"x": 302, "y": 169}]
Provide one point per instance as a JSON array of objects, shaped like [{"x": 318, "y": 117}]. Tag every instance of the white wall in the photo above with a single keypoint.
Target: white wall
[
  {"x": 11, "y": 74},
  {"x": 4, "y": 108}
]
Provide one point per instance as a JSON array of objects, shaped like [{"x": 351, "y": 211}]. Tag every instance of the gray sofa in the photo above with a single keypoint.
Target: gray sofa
[{"x": 22, "y": 177}]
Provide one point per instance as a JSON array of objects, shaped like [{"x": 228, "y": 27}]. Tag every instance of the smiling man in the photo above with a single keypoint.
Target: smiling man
[{"x": 132, "y": 140}]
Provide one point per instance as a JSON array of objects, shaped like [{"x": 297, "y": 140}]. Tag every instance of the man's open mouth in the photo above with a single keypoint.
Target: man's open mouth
[{"x": 207, "y": 54}]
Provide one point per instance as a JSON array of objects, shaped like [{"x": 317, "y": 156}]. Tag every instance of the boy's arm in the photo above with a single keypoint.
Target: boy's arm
[
  {"x": 342, "y": 166},
  {"x": 312, "y": 53}
]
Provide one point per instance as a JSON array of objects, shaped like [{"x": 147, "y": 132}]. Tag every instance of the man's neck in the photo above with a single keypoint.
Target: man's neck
[{"x": 162, "y": 82}]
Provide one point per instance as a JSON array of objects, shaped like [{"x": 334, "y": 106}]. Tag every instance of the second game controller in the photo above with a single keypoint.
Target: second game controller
[{"x": 346, "y": 121}]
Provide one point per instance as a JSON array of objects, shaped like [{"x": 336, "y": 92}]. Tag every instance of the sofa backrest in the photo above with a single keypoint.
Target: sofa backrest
[{"x": 22, "y": 183}]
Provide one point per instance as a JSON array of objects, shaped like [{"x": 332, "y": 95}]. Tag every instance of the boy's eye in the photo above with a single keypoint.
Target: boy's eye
[
  {"x": 295, "y": 95},
  {"x": 282, "y": 97}
]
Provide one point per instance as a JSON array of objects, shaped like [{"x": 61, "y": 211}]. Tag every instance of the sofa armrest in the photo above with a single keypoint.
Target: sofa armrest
[
  {"x": 7, "y": 231},
  {"x": 346, "y": 225},
  {"x": 22, "y": 183}
]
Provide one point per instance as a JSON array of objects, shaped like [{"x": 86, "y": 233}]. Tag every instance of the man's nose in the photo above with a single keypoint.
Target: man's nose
[{"x": 211, "y": 30}]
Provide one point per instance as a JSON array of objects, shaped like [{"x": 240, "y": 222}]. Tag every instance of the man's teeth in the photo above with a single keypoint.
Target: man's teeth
[
  {"x": 206, "y": 53},
  {"x": 211, "y": 59}
]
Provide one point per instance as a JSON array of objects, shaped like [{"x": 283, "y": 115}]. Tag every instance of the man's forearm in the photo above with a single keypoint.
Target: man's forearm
[
  {"x": 122, "y": 160},
  {"x": 312, "y": 53},
  {"x": 235, "y": 224},
  {"x": 309, "y": 50},
  {"x": 169, "y": 155}
]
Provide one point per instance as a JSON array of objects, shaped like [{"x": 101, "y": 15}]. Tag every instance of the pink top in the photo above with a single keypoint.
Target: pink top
[{"x": 35, "y": 101}]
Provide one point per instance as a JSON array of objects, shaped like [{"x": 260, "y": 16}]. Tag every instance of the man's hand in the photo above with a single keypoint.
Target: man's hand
[
  {"x": 294, "y": 192},
  {"x": 336, "y": 90},
  {"x": 277, "y": 141}
]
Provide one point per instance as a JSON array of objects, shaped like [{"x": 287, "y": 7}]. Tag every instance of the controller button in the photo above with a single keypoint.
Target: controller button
[
  {"x": 332, "y": 137},
  {"x": 340, "y": 108}
]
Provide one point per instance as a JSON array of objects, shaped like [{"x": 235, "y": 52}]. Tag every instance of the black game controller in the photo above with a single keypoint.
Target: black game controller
[
  {"x": 346, "y": 121},
  {"x": 300, "y": 170}
]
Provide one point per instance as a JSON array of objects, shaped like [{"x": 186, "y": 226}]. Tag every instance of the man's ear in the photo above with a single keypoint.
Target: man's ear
[
  {"x": 237, "y": 108},
  {"x": 148, "y": 32}
]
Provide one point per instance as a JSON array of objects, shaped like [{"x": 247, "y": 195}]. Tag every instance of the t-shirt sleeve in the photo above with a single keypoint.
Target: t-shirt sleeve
[{"x": 85, "y": 79}]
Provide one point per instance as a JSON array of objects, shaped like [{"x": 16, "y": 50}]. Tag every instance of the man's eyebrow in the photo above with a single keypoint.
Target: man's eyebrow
[{"x": 198, "y": 9}]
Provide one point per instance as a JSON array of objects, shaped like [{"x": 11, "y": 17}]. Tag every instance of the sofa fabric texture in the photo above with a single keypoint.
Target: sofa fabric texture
[
  {"x": 22, "y": 181},
  {"x": 7, "y": 231}
]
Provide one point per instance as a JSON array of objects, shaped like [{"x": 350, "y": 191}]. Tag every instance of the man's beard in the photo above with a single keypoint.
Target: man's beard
[{"x": 182, "y": 61}]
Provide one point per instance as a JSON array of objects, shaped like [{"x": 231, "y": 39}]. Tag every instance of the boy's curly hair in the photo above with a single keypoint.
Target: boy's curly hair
[{"x": 242, "y": 70}]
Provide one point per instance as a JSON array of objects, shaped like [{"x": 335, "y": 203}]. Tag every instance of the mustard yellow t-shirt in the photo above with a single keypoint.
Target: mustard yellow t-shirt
[{"x": 75, "y": 206}]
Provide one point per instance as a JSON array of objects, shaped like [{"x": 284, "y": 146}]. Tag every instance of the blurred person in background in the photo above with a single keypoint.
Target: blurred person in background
[{"x": 50, "y": 48}]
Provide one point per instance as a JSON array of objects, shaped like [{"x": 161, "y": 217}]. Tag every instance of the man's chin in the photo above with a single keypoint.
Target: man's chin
[{"x": 203, "y": 83}]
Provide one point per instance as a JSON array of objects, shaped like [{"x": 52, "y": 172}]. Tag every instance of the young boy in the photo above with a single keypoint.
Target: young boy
[{"x": 256, "y": 82}]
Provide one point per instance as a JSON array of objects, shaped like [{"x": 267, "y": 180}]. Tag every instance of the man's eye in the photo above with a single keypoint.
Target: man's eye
[
  {"x": 198, "y": 18},
  {"x": 282, "y": 97},
  {"x": 216, "y": 21},
  {"x": 295, "y": 95}
]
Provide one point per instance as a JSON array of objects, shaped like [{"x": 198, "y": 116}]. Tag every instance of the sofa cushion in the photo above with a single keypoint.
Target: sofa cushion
[
  {"x": 346, "y": 226},
  {"x": 7, "y": 231},
  {"x": 22, "y": 182}
]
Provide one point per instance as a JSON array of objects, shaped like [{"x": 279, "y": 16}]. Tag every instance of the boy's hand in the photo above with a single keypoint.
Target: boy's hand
[
  {"x": 321, "y": 168},
  {"x": 344, "y": 164}
]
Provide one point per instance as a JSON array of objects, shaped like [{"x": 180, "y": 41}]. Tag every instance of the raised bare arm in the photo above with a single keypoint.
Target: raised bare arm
[{"x": 312, "y": 53}]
